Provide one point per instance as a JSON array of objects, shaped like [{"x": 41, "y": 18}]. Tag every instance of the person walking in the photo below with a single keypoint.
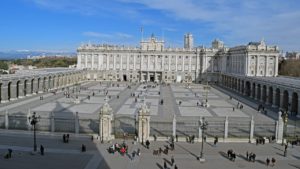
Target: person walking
[
  {"x": 165, "y": 165},
  {"x": 175, "y": 167},
  {"x": 268, "y": 161},
  {"x": 273, "y": 161},
  {"x": 42, "y": 150},
  {"x": 172, "y": 161}
]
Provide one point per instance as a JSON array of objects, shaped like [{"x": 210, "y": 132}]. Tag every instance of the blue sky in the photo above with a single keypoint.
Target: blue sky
[{"x": 62, "y": 25}]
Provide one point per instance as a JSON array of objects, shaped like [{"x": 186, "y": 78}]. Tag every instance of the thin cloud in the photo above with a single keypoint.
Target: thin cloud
[{"x": 97, "y": 35}]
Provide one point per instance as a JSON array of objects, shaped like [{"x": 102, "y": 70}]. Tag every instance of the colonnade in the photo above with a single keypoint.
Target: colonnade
[{"x": 273, "y": 94}]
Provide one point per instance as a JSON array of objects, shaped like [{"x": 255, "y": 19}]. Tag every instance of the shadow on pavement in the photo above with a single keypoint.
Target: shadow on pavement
[{"x": 159, "y": 166}]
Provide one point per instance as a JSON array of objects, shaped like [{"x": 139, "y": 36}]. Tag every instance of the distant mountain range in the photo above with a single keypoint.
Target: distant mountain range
[{"x": 23, "y": 54}]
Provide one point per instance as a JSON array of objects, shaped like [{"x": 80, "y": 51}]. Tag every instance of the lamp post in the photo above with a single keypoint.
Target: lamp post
[
  {"x": 284, "y": 117},
  {"x": 203, "y": 125},
  {"x": 33, "y": 120}
]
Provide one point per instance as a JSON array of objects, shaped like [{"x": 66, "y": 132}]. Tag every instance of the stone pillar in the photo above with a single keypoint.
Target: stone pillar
[
  {"x": 251, "y": 130},
  {"x": 13, "y": 91},
  {"x": 281, "y": 100},
  {"x": 52, "y": 120},
  {"x": 41, "y": 86},
  {"x": 35, "y": 86},
  {"x": 256, "y": 92},
  {"x": 28, "y": 88},
  {"x": 76, "y": 123},
  {"x": 290, "y": 101},
  {"x": 199, "y": 128},
  {"x": 105, "y": 127},
  {"x": 6, "y": 120},
  {"x": 21, "y": 90},
  {"x": 274, "y": 99},
  {"x": 28, "y": 122},
  {"x": 144, "y": 123},
  {"x": 4, "y": 93},
  {"x": 279, "y": 128},
  {"x": 174, "y": 125},
  {"x": 226, "y": 128}
]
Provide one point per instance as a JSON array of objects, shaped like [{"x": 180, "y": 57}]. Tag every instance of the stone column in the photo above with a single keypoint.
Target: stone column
[
  {"x": 105, "y": 127},
  {"x": 6, "y": 120},
  {"x": 226, "y": 128},
  {"x": 281, "y": 100},
  {"x": 21, "y": 89},
  {"x": 251, "y": 130},
  {"x": 41, "y": 86},
  {"x": 199, "y": 128},
  {"x": 279, "y": 128},
  {"x": 52, "y": 122},
  {"x": 144, "y": 123},
  {"x": 28, "y": 88},
  {"x": 174, "y": 125},
  {"x": 256, "y": 92},
  {"x": 290, "y": 101},
  {"x": 35, "y": 86},
  {"x": 13, "y": 91},
  {"x": 4, "y": 93},
  {"x": 76, "y": 123},
  {"x": 114, "y": 57},
  {"x": 274, "y": 99}
]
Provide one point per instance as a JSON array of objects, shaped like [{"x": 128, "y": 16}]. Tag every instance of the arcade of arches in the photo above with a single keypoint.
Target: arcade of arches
[
  {"x": 276, "y": 95},
  {"x": 13, "y": 88}
]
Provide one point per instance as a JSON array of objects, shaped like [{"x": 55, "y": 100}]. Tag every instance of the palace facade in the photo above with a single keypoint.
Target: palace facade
[{"x": 152, "y": 61}]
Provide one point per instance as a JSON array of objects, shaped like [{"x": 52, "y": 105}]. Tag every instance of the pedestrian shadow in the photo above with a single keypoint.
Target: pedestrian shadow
[
  {"x": 261, "y": 162},
  {"x": 223, "y": 154},
  {"x": 242, "y": 157},
  {"x": 277, "y": 148},
  {"x": 169, "y": 162},
  {"x": 188, "y": 151},
  {"x": 159, "y": 166},
  {"x": 296, "y": 166},
  {"x": 297, "y": 157},
  {"x": 282, "y": 155}
]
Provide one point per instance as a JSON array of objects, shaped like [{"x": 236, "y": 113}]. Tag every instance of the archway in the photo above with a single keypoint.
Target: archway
[
  {"x": 17, "y": 89},
  {"x": 295, "y": 104},
  {"x": 9, "y": 91},
  {"x": 248, "y": 88},
  {"x": 49, "y": 82},
  {"x": 264, "y": 94},
  {"x": 243, "y": 89},
  {"x": 38, "y": 85},
  {"x": 270, "y": 95},
  {"x": 277, "y": 99},
  {"x": 0, "y": 92},
  {"x": 258, "y": 92},
  {"x": 25, "y": 87},
  {"x": 44, "y": 84},
  {"x": 31, "y": 86},
  {"x": 253, "y": 90},
  {"x": 285, "y": 101}
]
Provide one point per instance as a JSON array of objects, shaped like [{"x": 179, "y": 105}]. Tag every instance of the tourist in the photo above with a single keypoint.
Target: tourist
[
  {"x": 42, "y": 150},
  {"x": 175, "y": 167},
  {"x": 147, "y": 144},
  {"x": 267, "y": 161},
  {"x": 273, "y": 161},
  {"x": 165, "y": 165},
  {"x": 172, "y": 161},
  {"x": 83, "y": 148},
  {"x": 133, "y": 155},
  {"x": 216, "y": 140}
]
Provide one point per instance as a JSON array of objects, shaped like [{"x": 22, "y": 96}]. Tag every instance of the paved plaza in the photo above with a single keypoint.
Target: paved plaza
[
  {"x": 179, "y": 99},
  {"x": 68, "y": 155}
]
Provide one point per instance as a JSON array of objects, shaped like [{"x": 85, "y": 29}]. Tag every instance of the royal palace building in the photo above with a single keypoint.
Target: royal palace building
[{"x": 152, "y": 61}]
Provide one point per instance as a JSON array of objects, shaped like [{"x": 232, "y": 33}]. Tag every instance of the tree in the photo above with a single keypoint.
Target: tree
[{"x": 3, "y": 65}]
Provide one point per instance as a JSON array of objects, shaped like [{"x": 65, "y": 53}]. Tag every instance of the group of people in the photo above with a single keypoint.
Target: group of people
[
  {"x": 239, "y": 105},
  {"x": 231, "y": 155},
  {"x": 191, "y": 139},
  {"x": 66, "y": 138},
  {"x": 121, "y": 148},
  {"x": 272, "y": 161},
  {"x": 250, "y": 156},
  {"x": 260, "y": 140}
]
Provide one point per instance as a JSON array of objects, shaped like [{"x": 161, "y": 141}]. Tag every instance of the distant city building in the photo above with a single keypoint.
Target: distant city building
[
  {"x": 13, "y": 68},
  {"x": 293, "y": 55},
  {"x": 153, "y": 62}
]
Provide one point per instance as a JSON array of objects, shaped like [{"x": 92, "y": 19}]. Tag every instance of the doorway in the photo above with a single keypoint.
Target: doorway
[
  {"x": 152, "y": 78},
  {"x": 125, "y": 78}
]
